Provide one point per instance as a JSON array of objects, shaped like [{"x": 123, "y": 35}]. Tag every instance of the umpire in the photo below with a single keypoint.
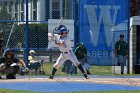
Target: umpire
[{"x": 81, "y": 54}]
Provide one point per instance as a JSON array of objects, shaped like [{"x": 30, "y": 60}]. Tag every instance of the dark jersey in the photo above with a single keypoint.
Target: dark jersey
[
  {"x": 8, "y": 61},
  {"x": 121, "y": 48},
  {"x": 80, "y": 52}
]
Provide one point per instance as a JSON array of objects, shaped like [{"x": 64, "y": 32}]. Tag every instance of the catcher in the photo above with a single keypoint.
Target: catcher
[
  {"x": 64, "y": 44},
  {"x": 10, "y": 65}
]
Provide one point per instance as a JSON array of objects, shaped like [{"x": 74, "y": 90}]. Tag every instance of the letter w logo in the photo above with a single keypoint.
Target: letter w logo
[{"x": 104, "y": 12}]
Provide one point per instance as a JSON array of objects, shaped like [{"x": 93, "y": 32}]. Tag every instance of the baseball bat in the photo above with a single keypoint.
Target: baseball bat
[
  {"x": 59, "y": 23},
  {"x": 51, "y": 35},
  {"x": 57, "y": 26}
]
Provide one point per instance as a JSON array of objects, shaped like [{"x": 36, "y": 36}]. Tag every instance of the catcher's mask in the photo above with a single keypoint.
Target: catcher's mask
[{"x": 9, "y": 52}]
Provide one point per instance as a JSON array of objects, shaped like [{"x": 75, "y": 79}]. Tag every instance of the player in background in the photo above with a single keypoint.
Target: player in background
[
  {"x": 81, "y": 54},
  {"x": 64, "y": 44},
  {"x": 121, "y": 49},
  {"x": 34, "y": 63}
]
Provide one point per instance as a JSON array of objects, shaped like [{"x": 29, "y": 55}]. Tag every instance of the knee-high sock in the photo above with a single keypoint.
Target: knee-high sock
[
  {"x": 81, "y": 68},
  {"x": 53, "y": 71}
]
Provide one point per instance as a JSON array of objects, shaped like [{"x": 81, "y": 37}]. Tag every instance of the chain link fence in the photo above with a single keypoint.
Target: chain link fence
[
  {"x": 13, "y": 28},
  {"x": 13, "y": 21}
]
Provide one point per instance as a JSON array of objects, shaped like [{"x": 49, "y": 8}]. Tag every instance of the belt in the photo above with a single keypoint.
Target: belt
[{"x": 66, "y": 52}]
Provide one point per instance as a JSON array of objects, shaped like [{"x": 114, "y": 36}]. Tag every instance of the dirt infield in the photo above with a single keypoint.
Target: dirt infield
[{"x": 119, "y": 81}]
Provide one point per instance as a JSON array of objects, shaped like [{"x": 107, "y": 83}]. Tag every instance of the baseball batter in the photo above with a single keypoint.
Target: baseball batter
[{"x": 64, "y": 44}]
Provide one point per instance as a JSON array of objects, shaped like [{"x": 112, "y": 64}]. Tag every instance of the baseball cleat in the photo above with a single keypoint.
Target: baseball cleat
[
  {"x": 88, "y": 72},
  {"x": 85, "y": 75},
  {"x": 51, "y": 77},
  {"x": 0, "y": 77},
  {"x": 10, "y": 77}
]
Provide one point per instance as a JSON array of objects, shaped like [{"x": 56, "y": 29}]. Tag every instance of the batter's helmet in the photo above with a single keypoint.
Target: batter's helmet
[{"x": 62, "y": 29}]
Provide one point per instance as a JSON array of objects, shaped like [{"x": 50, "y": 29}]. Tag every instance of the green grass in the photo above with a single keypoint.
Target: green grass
[
  {"x": 95, "y": 70},
  {"x": 19, "y": 91},
  {"x": 16, "y": 91},
  {"x": 107, "y": 92}
]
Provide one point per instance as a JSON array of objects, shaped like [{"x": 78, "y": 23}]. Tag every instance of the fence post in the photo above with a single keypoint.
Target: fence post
[
  {"x": 27, "y": 37},
  {"x": 128, "y": 39}
]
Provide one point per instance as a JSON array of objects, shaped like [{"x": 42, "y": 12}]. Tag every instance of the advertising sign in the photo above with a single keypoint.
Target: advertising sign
[{"x": 101, "y": 22}]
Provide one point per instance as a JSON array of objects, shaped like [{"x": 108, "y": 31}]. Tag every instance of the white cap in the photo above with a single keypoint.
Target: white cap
[{"x": 32, "y": 52}]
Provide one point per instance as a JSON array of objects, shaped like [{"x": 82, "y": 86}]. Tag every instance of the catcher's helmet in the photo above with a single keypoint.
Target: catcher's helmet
[
  {"x": 62, "y": 29},
  {"x": 9, "y": 51}
]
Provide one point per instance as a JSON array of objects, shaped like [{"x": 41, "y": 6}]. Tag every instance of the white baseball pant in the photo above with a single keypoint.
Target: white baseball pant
[{"x": 65, "y": 56}]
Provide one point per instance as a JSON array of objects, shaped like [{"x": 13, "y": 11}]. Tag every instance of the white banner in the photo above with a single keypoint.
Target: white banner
[{"x": 52, "y": 23}]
